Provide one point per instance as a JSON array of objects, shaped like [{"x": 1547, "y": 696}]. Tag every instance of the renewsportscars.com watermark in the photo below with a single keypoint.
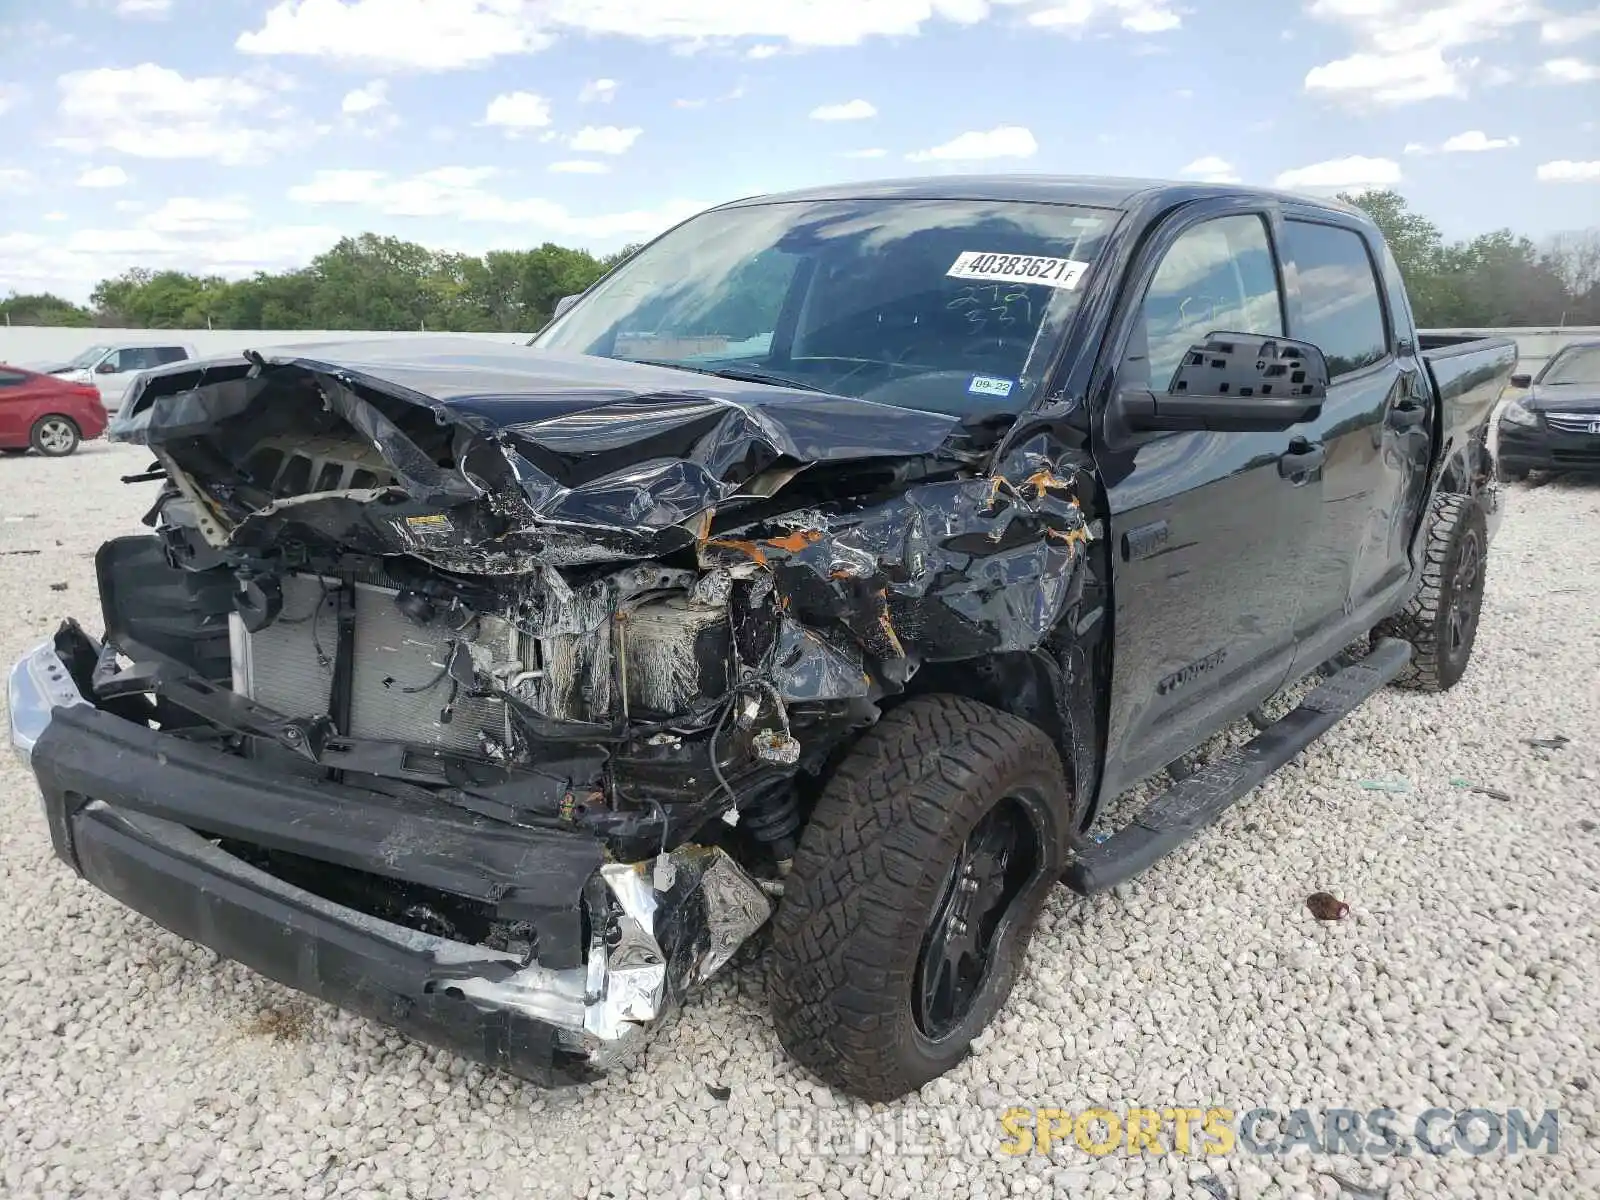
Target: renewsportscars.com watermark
[{"x": 940, "y": 1131}]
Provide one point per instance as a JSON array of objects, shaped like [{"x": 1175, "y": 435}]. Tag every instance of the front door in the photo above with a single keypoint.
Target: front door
[{"x": 1207, "y": 529}]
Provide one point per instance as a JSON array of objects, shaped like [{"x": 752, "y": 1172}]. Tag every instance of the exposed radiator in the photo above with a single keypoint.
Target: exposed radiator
[{"x": 400, "y": 688}]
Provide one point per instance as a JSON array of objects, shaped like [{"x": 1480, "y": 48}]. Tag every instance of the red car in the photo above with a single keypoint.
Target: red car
[{"x": 43, "y": 413}]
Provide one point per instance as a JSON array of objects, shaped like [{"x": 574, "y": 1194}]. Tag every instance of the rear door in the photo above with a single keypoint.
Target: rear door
[
  {"x": 1375, "y": 428},
  {"x": 1207, "y": 532}
]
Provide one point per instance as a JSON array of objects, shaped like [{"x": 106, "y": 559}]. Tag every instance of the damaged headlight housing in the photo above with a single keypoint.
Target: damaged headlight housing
[{"x": 1515, "y": 414}]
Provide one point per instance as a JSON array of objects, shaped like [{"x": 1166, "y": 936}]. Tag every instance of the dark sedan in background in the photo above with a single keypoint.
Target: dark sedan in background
[{"x": 1555, "y": 425}]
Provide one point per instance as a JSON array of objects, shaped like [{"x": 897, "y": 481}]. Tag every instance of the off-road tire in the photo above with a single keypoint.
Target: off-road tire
[
  {"x": 54, "y": 435},
  {"x": 878, "y": 849},
  {"x": 1425, "y": 621}
]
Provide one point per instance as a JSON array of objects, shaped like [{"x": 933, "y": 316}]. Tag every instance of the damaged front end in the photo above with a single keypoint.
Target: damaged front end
[{"x": 531, "y": 672}]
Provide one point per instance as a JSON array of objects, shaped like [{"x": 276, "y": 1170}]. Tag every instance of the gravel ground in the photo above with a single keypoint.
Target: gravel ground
[{"x": 136, "y": 1064}]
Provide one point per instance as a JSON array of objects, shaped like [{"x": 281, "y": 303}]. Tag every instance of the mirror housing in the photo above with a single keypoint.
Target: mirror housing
[
  {"x": 1234, "y": 383},
  {"x": 105, "y": 367},
  {"x": 1521, "y": 380},
  {"x": 565, "y": 303}
]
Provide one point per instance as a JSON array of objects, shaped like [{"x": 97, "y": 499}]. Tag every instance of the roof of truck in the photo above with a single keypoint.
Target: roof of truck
[{"x": 1093, "y": 191}]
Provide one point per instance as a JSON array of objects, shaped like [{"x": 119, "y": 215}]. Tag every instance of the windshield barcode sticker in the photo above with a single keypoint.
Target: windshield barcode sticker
[{"x": 1018, "y": 268}]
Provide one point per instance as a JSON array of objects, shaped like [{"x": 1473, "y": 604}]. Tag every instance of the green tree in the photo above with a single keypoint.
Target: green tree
[{"x": 42, "y": 309}]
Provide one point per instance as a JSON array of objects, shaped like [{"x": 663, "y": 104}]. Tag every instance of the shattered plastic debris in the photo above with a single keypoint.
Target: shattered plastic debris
[
  {"x": 775, "y": 746},
  {"x": 718, "y": 1092},
  {"x": 1386, "y": 785},
  {"x": 1468, "y": 785},
  {"x": 1325, "y": 906},
  {"x": 1553, "y": 742}
]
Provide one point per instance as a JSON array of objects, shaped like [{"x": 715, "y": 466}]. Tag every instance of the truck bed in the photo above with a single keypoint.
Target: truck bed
[{"x": 1468, "y": 375}]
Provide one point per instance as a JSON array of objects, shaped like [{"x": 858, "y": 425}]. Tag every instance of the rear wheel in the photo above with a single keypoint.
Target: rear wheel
[
  {"x": 54, "y": 436},
  {"x": 915, "y": 889},
  {"x": 1441, "y": 621}
]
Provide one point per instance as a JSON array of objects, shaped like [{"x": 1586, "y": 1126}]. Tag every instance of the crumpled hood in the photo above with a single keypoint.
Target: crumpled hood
[{"x": 603, "y": 458}]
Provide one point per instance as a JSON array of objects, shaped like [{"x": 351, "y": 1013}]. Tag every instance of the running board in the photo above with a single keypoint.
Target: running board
[{"x": 1194, "y": 802}]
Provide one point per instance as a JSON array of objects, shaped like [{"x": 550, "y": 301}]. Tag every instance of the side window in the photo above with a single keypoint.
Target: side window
[
  {"x": 11, "y": 379},
  {"x": 136, "y": 358},
  {"x": 1216, "y": 277},
  {"x": 169, "y": 354},
  {"x": 1341, "y": 312}
]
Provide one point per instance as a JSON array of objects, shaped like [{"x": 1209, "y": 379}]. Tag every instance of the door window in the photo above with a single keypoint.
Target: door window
[
  {"x": 9, "y": 379},
  {"x": 1340, "y": 309},
  {"x": 1217, "y": 277},
  {"x": 170, "y": 354},
  {"x": 137, "y": 358}
]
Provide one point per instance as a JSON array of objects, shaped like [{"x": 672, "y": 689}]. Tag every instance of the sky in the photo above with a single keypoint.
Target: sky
[{"x": 230, "y": 136}]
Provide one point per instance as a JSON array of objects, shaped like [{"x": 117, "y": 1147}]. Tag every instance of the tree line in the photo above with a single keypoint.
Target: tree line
[
  {"x": 376, "y": 282},
  {"x": 366, "y": 282}
]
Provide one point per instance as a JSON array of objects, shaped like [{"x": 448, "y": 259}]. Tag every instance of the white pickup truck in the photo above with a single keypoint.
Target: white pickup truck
[{"x": 113, "y": 366}]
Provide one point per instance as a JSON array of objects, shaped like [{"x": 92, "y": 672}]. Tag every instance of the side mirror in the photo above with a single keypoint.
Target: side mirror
[
  {"x": 563, "y": 304},
  {"x": 106, "y": 366},
  {"x": 1234, "y": 383},
  {"x": 1521, "y": 381}
]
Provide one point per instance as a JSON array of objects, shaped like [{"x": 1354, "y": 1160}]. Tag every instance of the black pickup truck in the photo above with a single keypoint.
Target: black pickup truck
[{"x": 833, "y": 560}]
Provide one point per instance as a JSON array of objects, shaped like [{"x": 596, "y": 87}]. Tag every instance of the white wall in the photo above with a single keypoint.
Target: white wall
[
  {"x": 22, "y": 344},
  {"x": 1535, "y": 346}
]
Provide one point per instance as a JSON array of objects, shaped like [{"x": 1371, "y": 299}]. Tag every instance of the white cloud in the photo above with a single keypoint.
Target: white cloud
[
  {"x": 460, "y": 193},
  {"x": 850, "y": 110},
  {"x": 1388, "y": 78},
  {"x": 55, "y": 216},
  {"x": 1005, "y": 141},
  {"x": 103, "y": 177},
  {"x": 365, "y": 99},
  {"x": 517, "y": 111},
  {"x": 16, "y": 179},
  {"x": 144, "y": 8},
  {"x": 579, "y": 166},
  {"x": 1073, "y": 16},
  {"x": 443, "y": 35},
  {"x": 871, "y": 152},
  {"x": 603, "y": 139},
  {"x": 186, "y": 214},
  {"x": 424, "y": 35},
  {"x": 1474, "y": 141},
  {"x": 11, "y": 95},
  {"x": 154, "y": 112},
  {"x": 601, "y": 91},
  {"x": 1211, "y": 169},
  {"x": 1354, "y": 173},
  {"x": 1410, "y": 50},
  {"x": 69, "y": 264},
  {"x": 1562, "y": 29},
  {"x": 1569, "y": 70},
  {"x": 1565, "y": 170}
]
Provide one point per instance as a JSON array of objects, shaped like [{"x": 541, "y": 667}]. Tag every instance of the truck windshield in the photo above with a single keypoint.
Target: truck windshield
[
  {"x": 88, "y": 358},
  {"x": 946, "y": 305},
  {"x": 1575, "y": 366}
]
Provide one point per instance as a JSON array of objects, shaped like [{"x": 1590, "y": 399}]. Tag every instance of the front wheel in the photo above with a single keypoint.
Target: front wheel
[
  {"x": 54, "y": 436},
  {"x": 1441, "y": 621},
  {"x": 915, "y": 889}
]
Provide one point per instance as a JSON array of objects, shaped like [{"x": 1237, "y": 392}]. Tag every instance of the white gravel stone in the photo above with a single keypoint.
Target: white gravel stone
[{"x": 133, "y": 1063}]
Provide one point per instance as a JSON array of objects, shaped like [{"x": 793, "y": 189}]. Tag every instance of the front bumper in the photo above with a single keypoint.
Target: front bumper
[
  {"x": 618, "y": 943},
  {"x": 1538, "y": 448}
]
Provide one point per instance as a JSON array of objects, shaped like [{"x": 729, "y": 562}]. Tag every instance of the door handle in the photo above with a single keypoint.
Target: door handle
[
  {"x": 1301, "y": 458},
  {"x": 1408, "y": 414}
]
